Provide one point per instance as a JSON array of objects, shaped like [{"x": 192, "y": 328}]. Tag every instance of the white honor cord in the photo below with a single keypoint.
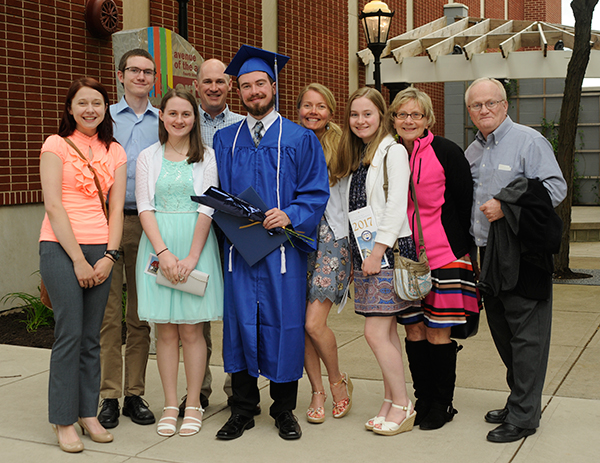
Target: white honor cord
[
  {"x": 281, "y": 246},
  {"x": 230, "y": 259}
]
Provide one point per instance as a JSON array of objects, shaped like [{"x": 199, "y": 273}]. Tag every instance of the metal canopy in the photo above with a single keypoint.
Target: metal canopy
[{"x": 470, "y": 48}]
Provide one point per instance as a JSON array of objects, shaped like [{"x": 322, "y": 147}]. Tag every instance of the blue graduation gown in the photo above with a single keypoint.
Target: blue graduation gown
[{"x": 264, "y": 310}]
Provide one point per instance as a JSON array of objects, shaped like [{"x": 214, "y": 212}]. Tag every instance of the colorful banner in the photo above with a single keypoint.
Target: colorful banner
[{"x": 177, "y": 61}]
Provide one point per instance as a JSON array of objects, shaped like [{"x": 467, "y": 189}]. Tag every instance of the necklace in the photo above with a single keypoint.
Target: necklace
[{"x": 175, "y": 149}]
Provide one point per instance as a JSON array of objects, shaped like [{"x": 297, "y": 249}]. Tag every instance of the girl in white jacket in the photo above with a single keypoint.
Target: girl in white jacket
[{"x": 381, "y": 184}]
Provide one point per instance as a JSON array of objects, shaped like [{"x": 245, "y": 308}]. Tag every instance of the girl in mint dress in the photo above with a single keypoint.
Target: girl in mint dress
[{"x": 178, "y": 232}]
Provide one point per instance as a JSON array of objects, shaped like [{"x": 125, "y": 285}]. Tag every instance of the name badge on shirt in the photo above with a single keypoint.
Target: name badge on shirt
[{"x": 504, "y": 167}]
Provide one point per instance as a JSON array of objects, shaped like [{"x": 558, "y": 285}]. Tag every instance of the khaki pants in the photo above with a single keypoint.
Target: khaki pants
[{"x": 138, "y": 332}]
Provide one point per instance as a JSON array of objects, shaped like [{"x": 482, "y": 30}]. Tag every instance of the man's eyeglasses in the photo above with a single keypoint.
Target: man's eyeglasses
[
  {"x": 136, "y": 71},
  {"x": 413, "y": 116},
  {"x": 488, "y": 104}
]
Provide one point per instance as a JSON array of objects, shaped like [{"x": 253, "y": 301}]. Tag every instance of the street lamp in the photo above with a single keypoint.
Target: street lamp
[{"x": 376, "y": 18}]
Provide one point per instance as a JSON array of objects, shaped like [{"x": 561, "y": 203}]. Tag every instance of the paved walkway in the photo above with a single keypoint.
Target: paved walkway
[{"x": 568, "y": 432}]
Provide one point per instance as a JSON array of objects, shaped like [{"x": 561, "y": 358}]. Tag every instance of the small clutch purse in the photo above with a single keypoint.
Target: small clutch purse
[{"x": 195, "y": 284}]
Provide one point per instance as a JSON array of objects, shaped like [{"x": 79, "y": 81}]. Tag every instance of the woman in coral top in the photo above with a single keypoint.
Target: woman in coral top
[
  {"x": 78, "y": 244},
  {"x": 444, "y": 189}
]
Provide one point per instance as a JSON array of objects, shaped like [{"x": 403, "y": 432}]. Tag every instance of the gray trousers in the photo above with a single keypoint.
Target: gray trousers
[
  {"x": 74, "y": 384},
  {"x": 521, "y": 330}
]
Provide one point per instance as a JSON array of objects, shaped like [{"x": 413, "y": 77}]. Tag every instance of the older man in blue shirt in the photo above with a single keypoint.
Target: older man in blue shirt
[
  {"x": 136, "y": 128},
  {"x": 520, "y": 324}
]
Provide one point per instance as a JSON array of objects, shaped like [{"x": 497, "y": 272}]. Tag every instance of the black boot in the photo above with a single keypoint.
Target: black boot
[
  {"x": 420, "y": 370},
  {"x": 443, "y": 365}
]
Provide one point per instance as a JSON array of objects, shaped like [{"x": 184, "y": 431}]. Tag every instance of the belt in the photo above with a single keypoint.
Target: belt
[{"x": 130, "y": 211}]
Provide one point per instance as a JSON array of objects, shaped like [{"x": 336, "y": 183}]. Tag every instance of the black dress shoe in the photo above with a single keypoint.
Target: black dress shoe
[
  {"x": 109, "y": 414},
  {"x": 496, "y": 416},
  {"x": 137, "y": 409},
  {"x": 507, "y": 432},
  {"x": 288, "y": 426},
  {"x": 235, "y": 427},
  {"x": 203, "y": 404}
]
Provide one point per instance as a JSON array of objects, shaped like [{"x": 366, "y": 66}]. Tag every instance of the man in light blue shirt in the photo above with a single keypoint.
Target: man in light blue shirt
[
  {"x": 213, "y": 86},
  {"x": 135, "y": 128},
  {"x": 520, "y": 322}
]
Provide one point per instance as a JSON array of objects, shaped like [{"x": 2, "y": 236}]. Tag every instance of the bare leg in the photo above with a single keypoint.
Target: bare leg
[
  {"x": 194, "y": 362},
  {"x": 167, "y": 358},
  {"x": 323, "y": 341},
  {"x": 382, "y": 335},
  {"x": 312, "y": 364}
]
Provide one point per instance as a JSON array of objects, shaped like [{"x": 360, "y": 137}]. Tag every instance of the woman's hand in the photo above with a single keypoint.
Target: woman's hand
[
  {"x": 372, "y": 264},
  {"x": 168, "y": 263},
  {"x": 85, "y": 273},
  {"x": 185, "y": 267},
  {"x": 102, "y": 269}
]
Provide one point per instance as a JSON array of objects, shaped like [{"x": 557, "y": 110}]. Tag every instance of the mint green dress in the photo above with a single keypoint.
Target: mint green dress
[{"x": 176, "y": 215}]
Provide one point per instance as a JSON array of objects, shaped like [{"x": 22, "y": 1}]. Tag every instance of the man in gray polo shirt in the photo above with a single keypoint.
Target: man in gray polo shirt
[{"x": 519, "y": 320}]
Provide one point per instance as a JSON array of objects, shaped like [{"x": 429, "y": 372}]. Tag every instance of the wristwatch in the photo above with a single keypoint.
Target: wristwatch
[{"x": 113, "y": 253}]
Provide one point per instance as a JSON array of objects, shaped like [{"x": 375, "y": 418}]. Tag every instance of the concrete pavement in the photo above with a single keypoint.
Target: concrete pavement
[{"x": 568, "y": 432}]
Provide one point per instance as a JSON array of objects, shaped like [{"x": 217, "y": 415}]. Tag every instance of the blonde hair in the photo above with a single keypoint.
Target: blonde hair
[
  {"x": 351, "y": 146},
  {"x": 412, "y": 94},
  {"x": 331, "y": 138}
]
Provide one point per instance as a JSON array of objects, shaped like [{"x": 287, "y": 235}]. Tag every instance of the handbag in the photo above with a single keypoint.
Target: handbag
[
  {"x": 195, "y": 284},
  {"x": 44, "y": 296},
  {"x": 412, "y": 280},
  {"x": 466, "y": 330}
]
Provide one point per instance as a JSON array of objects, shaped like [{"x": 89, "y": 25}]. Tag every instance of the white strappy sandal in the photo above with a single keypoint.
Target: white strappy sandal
[
  {"x": 167, "y": 429},
  {"x": 376, "y": 419},
  {"x": 391, "y": 428},
  {"x": 194, "y": 427}
]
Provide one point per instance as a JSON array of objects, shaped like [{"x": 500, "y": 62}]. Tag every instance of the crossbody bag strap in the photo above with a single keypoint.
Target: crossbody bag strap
[
  {"x": 414, "y": 193},
  {"x": 93, "y": 171}
]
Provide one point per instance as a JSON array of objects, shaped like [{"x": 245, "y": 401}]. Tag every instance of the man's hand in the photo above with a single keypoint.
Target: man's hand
[
  {"x": 276, "y": 218},
  {"x": 492, "y": 210}
]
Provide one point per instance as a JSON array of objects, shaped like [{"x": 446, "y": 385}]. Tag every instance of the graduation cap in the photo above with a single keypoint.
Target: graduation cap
[
  {"x": 250, "y": 59},
  {"x": 253, "y": 242}
]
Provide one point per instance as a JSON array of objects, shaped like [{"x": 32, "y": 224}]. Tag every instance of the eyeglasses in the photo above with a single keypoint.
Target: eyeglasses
[
  {"x": 488, "y": 104},
  {"x": 136, "y": 71},
  {"x": 413, "y": 116}
]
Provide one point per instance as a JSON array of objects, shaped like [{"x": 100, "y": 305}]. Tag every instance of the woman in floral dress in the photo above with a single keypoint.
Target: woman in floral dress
[{"x": 328, "y": 266}]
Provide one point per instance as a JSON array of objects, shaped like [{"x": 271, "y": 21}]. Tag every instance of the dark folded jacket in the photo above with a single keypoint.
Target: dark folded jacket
[{"x": 518, "y": 255}]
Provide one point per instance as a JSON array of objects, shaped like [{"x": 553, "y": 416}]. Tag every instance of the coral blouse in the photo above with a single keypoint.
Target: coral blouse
[{"x": 79, "y": 192}]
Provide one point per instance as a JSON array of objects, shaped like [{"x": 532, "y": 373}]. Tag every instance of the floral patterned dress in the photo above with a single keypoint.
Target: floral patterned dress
[{"x": 328, "y": 266}]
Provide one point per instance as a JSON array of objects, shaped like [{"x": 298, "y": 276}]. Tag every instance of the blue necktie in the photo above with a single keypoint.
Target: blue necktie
[{"x": 256, "y": 133}]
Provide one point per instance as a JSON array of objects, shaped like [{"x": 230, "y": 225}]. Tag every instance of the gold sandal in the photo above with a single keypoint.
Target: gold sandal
[
  {"x": 316, "y": 415},
  {"x": 342, "y": 407}
]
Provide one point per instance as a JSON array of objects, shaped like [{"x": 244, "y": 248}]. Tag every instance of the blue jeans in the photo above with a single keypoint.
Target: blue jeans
[{"x": 74, "y": 385}]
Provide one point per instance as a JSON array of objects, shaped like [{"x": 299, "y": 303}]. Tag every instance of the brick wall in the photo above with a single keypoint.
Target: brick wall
[
  {"x": 44, "y": 46},
  {"x": 314, "y": 34},
  {"x": 215, "y": 29}
]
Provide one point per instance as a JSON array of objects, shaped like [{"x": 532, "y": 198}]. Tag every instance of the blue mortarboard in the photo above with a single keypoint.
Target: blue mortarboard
[
  {"x": 254, "y": 242},
  {"x": 250, "y": 59}
]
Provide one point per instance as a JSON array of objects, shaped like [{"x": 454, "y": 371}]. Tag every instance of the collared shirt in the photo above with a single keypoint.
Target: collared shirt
[
  {"x": 267, "y": 122},
  {"x": 210, "y": 125},
  {"x": 135, "y": 133},
  {"x": 509, "y": 152}
]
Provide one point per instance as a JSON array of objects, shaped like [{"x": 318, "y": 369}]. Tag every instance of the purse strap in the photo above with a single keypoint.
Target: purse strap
[
  {"x": 93, "y": 171},
  {"x": 412, "y": 189}
]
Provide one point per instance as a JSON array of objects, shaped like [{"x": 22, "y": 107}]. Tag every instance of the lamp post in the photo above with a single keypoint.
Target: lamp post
[
  {"x": 376, "y": 18},
  {"x": 182, "y": 19}
]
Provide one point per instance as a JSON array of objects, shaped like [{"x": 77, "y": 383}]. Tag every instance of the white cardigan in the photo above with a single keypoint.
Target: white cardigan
[
  {"x": 149, "y": 164},
  {"x": 336, "y": 211},
  {"x": 391, "y": 216}
]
